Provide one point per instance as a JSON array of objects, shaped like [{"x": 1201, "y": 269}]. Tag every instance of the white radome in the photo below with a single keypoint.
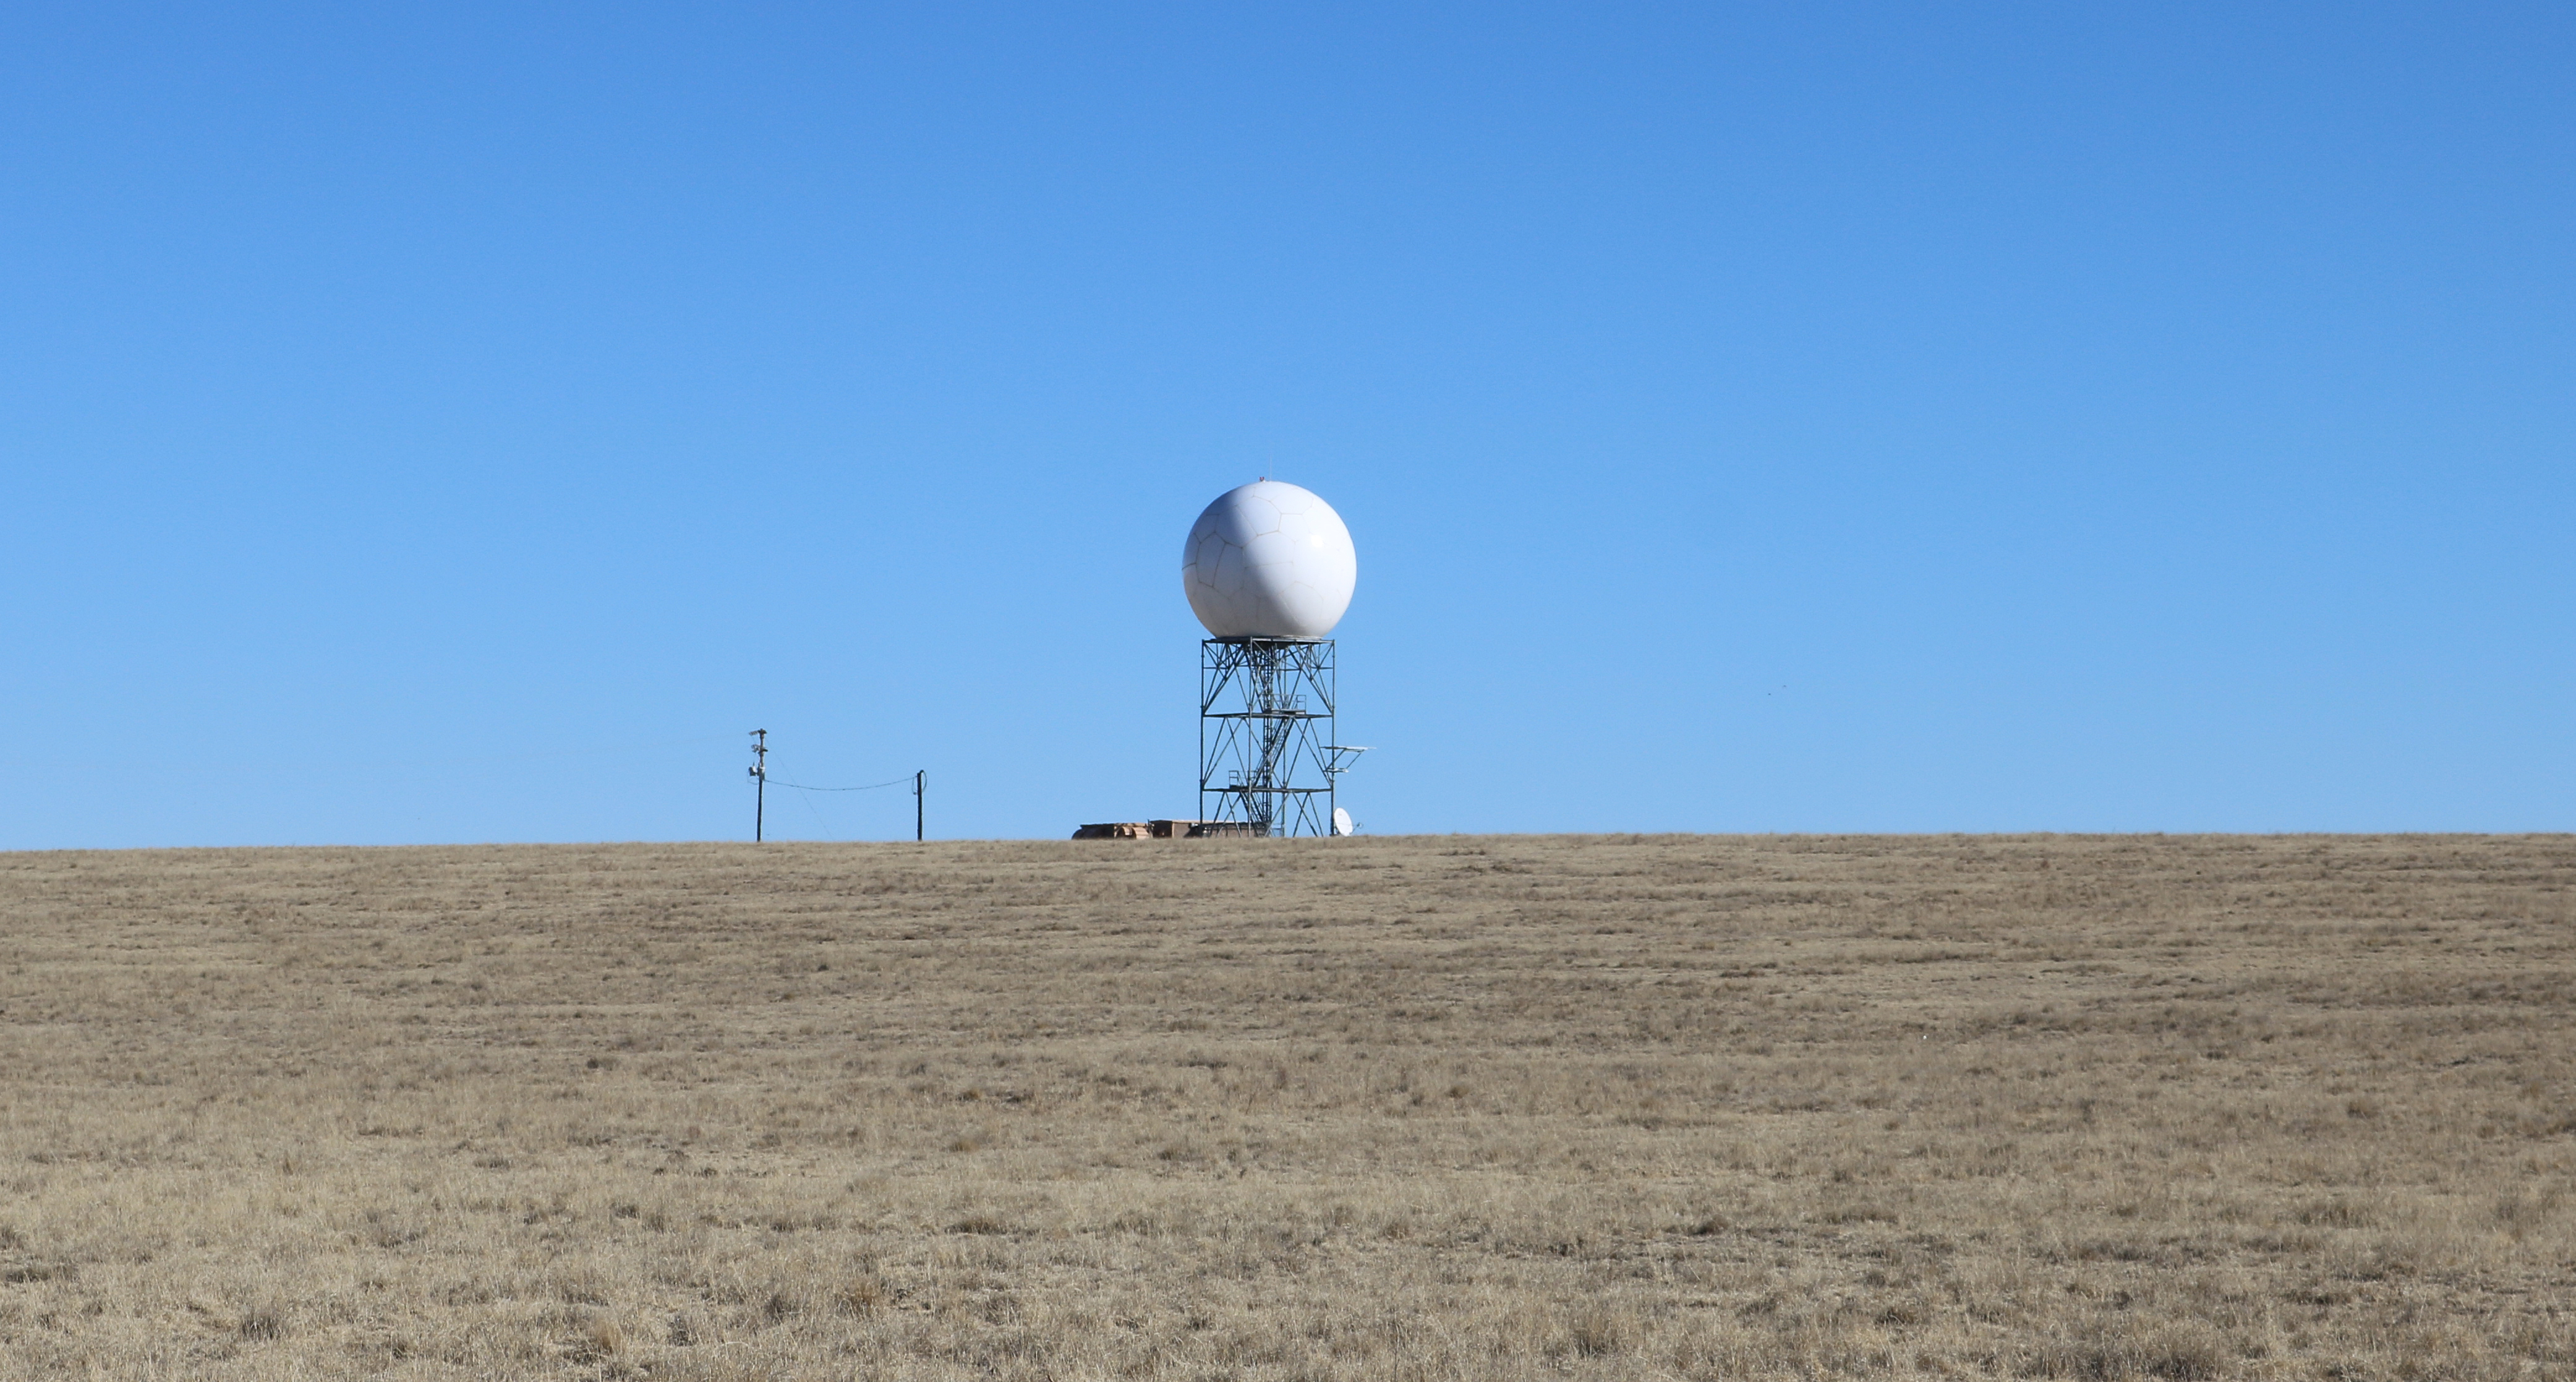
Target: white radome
[{"x": 1269, "y": 560}]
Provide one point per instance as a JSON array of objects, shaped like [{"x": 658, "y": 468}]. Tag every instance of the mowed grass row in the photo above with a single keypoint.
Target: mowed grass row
[{"x": 1464, "y": 1107}]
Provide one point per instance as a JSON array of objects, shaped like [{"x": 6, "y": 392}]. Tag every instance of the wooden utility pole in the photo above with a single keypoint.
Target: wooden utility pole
[
  {"x": 920, "y": 780},
  {"x": 759, "y": 780}
]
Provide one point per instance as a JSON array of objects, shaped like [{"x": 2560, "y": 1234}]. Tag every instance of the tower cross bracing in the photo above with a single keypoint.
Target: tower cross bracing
[{"x": 1266, "y": 751}]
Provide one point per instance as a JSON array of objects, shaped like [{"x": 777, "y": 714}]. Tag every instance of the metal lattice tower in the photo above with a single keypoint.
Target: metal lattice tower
[{"x": 1266, "y": 751}]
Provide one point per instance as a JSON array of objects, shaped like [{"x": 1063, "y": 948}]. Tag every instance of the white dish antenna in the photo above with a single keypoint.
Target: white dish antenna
[
  {"x": 1342, "y": 822},
  {"x": 1269, "y": 560}
]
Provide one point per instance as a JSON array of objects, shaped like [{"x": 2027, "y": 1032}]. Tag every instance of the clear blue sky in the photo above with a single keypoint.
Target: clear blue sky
[{"x": 462, "y": 422}]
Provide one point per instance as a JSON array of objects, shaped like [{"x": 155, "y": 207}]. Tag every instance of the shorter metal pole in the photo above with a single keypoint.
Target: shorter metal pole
[{"x": 920, "y": 781}]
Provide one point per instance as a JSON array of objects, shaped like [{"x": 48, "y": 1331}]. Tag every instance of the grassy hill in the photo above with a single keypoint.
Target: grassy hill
[{"x": 1463, "y": 1107}]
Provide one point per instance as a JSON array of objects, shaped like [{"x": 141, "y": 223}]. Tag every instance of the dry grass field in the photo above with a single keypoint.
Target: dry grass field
[{"x": 1466, "y": 1107}]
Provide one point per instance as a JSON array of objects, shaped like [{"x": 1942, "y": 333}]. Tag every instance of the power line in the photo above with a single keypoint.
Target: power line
[
  {"x": 817, "y": 813},
  {"x": 919, "y": 781},
  {"x": 898, "y": 782},
  {"x": 371, "y": 768}
]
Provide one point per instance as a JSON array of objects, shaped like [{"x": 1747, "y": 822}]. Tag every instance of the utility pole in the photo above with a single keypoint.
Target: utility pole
[
  {"x": 759, "y": 779},
  {"x": 920, "y": 780}
]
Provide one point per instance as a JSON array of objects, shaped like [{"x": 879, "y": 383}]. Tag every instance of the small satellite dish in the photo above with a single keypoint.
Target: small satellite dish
[{"x": 1342, "y": 822}]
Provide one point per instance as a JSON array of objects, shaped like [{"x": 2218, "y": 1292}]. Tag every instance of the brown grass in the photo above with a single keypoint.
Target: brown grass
[{"x": 2154, "y": 1108}]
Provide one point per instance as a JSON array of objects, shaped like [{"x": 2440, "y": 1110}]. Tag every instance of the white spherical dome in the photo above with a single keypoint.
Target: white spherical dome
[{"x": 1269, "y": 560}]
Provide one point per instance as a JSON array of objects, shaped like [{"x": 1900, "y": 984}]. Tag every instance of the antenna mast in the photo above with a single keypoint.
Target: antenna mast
[{"x": 759, "y": 780}]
